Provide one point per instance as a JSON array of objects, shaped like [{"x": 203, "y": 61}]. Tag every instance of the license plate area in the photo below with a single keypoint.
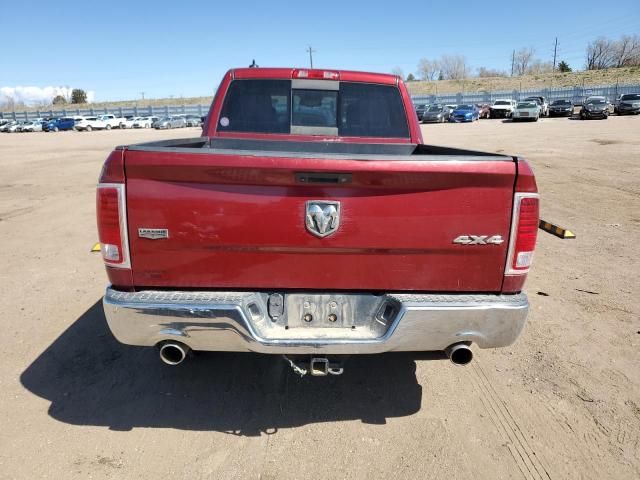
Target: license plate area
[{"x": 310, "y": 315}]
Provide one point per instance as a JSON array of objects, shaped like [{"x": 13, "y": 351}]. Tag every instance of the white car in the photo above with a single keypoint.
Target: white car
[
  {"x": 111, "y": 121},
  {"x": 502, "y": 108},
  {"x": 89, "y": 123},
  {"x": 129, "y": 122},
  {"x": 144, "y": 122},
  {"x": 14, "y": 127}
]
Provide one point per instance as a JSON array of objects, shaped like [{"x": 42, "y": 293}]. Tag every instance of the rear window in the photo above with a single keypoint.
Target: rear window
[{"x": 354, "y": 109}]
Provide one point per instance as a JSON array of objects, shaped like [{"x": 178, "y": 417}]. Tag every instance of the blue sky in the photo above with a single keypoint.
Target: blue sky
[{"x": 181, "y": 48}]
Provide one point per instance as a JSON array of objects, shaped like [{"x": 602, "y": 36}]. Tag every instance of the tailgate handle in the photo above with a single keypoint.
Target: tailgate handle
[{"x": 323, "y": 178}]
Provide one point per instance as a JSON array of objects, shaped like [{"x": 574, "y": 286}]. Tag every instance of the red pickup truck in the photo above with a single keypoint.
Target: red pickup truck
[{"x": 310, "y": 220}]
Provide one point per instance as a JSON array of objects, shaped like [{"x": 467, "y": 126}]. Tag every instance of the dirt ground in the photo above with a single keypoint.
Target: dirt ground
[{"x": 561, "y": 403}]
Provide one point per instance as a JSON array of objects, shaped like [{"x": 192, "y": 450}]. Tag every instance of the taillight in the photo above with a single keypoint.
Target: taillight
[
  {"x": 524, "y": 230},
  {"x": 316, "y": 74},
  {"x": 112, "y": 224}
]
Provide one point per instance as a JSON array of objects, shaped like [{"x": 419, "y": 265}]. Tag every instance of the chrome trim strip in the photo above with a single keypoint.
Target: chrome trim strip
[
  {"x": 122, "y": 217},
  {"x": 515, "y": 216},
  {"x": 305, "y": 130},
  {"x": 219, "y": 321}
]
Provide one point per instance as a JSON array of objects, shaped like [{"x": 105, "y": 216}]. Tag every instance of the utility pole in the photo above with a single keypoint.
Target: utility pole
[
  {"x": 142, "y": 95},
  {"x": 513, "y": 61},
  {"x": 310, "y": 50},
  {"x": 555, "y": 53}
]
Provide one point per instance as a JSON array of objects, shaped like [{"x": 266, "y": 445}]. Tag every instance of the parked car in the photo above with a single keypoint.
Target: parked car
[
  {"x": 129, "y": 122},
  {"x": 59, "y": 124},
  {"x": 484, "y": 110},
  {"x": 192, "y": 120},
  {"x": 502, "y": 108},
  {"x": 170, "y": 122},
  {"x": 15, "y": 127},
  {"x": 111, "y": 121},
  {"x": 628, "y": 103},
  {"x": 145, "y": 122},
  {"x": 420, "y": 109},
  {"x": 561, "y": 108},
  {"x": 297, "y": 272},
  {"x": 436, "y": 114},
  {"x": 595, "y": 107},
  {"x": 90, "y": 123},
  {"x": 526, "y": 110},
  {"x": 451, "y": 108},
  {"x": 464, "y": 113},
  {"x": 5, "y": 128},
  {"x": 542, "y": 103},
  {"x": 32, "y": 126}
]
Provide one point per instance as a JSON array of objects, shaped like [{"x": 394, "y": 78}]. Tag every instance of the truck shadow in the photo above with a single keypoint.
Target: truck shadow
[{"x": 91, "y": 379}]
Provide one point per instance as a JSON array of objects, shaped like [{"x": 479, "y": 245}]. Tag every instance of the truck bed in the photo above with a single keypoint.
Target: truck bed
[{"x": 316, "y": 149}]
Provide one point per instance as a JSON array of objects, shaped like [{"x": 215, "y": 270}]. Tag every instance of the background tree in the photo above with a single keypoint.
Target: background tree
[
  {"x": 453, "y": 67},
  {"x": 78, "y": 96},
  {"x": 600, "y": 54},
  {"x": 397, "y": 71},
  {"x": 626, "y": 51},
  {"x": 564, "y": 67},
  {"x": 428, "y": 69},
  {"x": 537, "y": 66},
  {"x": 411, "y": 78},
  {"x": 59, "y": 100},
  {"x": 522, "y": 60},
  {"x": 484, "y": 72}
]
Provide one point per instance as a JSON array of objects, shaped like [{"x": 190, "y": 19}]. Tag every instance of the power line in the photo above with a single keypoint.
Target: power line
[
  {"x": 311, "y": 52},
  {"x": 513, "y": 61}
]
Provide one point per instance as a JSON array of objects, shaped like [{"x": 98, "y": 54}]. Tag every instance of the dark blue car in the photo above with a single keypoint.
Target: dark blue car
[
  {"x": 58, "y": 124},
  {"x": 465, "y": 113}
]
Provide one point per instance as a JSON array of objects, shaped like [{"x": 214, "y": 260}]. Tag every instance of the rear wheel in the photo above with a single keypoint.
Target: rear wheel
[
  {"x": 89, "y": 128},
  {"x": 108, "y": 127}
]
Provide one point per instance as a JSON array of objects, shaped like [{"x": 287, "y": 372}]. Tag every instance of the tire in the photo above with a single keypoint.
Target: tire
[
  {"x": 56, "y": 129},
  {"x": 89, "y": 128},
  {"x": 108, "y": 127},
  {"x": 146, "y": 125}
]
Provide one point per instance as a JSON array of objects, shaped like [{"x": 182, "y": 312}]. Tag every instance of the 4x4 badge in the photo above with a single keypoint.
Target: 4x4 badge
[
  {"x": 322, "y": 217},
  {"x": 478, "y": 240}
]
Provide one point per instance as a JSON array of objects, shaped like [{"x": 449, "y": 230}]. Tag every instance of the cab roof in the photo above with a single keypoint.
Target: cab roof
[{"x": 315, "y": 74}]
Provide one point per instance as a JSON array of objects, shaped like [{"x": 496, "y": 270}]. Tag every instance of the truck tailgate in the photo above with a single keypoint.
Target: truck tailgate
[{"x": 238, "y": 221}]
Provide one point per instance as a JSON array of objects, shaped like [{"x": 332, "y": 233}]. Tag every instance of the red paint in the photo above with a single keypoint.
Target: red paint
[
  {"x": 210, "y": 128},
  {"x": 238, "y": 222}
]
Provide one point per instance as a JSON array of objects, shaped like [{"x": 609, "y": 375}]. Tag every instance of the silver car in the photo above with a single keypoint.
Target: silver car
[
  {"x": 170, "y": 122},
  {"x": 31, "y": 127},
  {"x": 526, "y": 110},
  {"x": 436, "y": 114}
]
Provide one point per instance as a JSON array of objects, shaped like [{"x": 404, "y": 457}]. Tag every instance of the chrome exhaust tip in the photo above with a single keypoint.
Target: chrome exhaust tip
[
  {"x": 459, "y": 353},
  {"x": 173, "y": 353}
]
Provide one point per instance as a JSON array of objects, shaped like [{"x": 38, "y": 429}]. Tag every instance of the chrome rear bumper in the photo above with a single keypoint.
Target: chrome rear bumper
[{"x": 240, "y": 321}]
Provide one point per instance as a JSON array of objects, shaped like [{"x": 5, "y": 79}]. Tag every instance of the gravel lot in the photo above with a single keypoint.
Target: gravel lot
[{"x": 563, "y": 402}]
